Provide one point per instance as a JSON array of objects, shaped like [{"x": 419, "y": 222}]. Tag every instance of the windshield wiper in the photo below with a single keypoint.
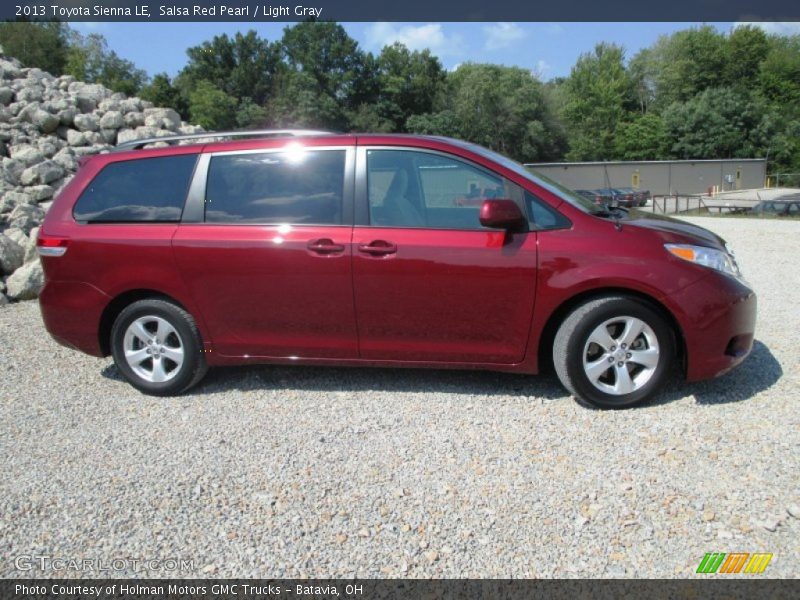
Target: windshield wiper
[{"x": 615, "y": 212}]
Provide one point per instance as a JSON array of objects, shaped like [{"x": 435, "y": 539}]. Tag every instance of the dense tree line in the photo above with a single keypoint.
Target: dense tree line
[{"x": 698, "y": 93}]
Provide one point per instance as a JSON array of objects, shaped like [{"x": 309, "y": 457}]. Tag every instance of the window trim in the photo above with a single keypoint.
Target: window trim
[
  {"x": 195, "y": 209},
  {"x": 362, "y": 217},
  {"x": 566, "y": 222},
  {"x": 183, "y": 205}
]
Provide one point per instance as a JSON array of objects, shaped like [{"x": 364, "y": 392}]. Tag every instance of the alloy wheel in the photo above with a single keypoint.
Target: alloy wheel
[
  {"x": 621, "y": 355},
  {"x": 153, "y": 349}
]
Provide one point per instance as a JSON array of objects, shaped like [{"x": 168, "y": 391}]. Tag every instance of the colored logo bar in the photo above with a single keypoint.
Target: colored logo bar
[{"x": 735, "y": 562}]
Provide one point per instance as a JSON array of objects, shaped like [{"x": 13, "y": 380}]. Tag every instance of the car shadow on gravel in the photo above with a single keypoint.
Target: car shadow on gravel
[
  {"x": 366, "y": 379},
  {"x": 760, "y": 371}
]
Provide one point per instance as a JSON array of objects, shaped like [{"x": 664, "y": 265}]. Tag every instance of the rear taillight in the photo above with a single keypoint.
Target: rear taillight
[{"x": 47, "y": 245}]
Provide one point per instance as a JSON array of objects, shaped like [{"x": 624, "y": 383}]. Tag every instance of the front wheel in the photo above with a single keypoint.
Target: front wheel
[
  {"x": 157, "y": 347},
  {"x": 613, "y": 352}
]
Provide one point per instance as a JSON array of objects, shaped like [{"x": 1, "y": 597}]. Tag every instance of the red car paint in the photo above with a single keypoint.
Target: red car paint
[{"x": 364, "y": 295}]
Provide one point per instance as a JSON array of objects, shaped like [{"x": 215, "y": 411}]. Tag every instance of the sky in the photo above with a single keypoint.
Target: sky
[{"x": 547, "y": 49}]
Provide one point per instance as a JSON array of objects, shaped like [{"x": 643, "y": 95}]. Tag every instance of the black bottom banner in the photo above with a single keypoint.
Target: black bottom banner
[{"x": 368, "y": 589}]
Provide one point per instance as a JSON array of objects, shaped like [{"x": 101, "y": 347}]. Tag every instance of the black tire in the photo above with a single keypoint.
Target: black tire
[
  {"x": 572, "y": 341},
  {"x": 181, "y": 378}
]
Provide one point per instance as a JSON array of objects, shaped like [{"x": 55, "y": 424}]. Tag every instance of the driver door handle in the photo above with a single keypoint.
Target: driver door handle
[{"x": 325, "y": 246}]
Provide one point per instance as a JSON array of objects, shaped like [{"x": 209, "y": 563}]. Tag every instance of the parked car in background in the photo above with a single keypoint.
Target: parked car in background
[
  {"x": 626, "y": 199},
  {"x": 607, "y": 196},
  {"x": 636, "y": 197},
  {"x": 592, "y": 196},
  {"x": 616, "y": 197},
  {"x": 306, "y": 248},
  {"x": 777, "y": 208}
]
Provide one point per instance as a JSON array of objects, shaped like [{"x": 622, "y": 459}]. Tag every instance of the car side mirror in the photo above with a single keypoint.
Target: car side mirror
[{"x": 503, "y": 214}]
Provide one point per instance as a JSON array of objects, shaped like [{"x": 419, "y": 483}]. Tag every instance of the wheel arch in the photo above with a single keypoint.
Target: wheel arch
[
  {"x": 546, "y": 339},
  {"x": 118, "y": 304}
]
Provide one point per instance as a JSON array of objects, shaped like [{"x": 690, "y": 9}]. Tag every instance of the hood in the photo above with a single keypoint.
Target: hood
[{"x": 693, "y": 234}]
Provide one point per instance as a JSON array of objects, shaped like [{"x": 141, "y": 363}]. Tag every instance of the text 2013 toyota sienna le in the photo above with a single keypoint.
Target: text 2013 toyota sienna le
[{"x": 381, "y": 250}]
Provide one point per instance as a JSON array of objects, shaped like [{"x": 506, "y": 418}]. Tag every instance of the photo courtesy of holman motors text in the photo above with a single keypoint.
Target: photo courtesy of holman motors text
[{"x": 354, "y": 589}]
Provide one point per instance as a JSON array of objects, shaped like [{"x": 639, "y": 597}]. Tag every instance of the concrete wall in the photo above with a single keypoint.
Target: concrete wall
[{"x": 660, "y": 177}]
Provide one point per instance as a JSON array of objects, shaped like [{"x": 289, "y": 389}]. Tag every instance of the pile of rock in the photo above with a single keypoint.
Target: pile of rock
[{"x": 46, "y": 124}]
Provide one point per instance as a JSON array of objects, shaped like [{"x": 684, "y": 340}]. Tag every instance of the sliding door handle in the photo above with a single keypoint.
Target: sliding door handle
[{"x": 378, "y": 248}]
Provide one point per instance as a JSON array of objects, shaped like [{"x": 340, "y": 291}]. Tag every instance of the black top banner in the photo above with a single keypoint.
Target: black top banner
[{"x": 406, "y": 10}]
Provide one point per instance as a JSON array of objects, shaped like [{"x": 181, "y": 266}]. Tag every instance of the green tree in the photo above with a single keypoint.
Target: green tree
[
  {"x": 686, "y": 63},
  {"x": 212, "y": 108},
  {"x": 599, "y": 95},
  {"x": 502, "y": 108},
  {"x": 784, "y": 148},
  {"x": 369, "y": 118},
  {"x": 643, "y": 138},
  {"x": 643, "y": 71},
  {"x": 746, "y": 49},
  {"x": 717, "y": 123},
  {"x": 408, "y": 83},
  {"x": 89, "y": 59},
  {"x": 444, "y": 122},
  {"x": 328, "y": 71},
  {"x": 161, "y": 92},
  {"x": 779, "y": 74},
  {"x": 298, "y": 102},
  {"x": 241, "y": 66},
  {"x": 36, "y": 44},
  {"x": 250, "y": 114}
]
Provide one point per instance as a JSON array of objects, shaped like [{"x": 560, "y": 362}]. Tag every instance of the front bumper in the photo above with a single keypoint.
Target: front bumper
[{"x": 718, "y": 316}]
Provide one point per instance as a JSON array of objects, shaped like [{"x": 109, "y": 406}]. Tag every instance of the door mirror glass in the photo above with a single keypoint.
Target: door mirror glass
[{"x": 502, "y": 214}]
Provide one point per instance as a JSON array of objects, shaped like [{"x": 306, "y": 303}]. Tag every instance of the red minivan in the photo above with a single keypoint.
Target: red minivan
[{"x": 295, "y": 247}]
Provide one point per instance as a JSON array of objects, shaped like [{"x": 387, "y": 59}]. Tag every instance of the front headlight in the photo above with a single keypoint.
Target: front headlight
[{"x": 707, "y": 257}]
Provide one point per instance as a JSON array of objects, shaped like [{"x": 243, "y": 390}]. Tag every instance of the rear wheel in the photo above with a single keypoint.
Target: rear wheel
[
  {"x": 613, "y": 352},
  {"x": 157, "y": 347}
]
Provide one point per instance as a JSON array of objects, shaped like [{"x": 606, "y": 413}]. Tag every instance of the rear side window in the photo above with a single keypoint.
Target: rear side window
[
  {"x": 296, "y": 187},
  {"x": 132, "y": 191}
]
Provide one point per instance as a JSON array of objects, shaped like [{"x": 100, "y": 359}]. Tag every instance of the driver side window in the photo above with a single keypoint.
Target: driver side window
[{"x": 422, "y": 189}]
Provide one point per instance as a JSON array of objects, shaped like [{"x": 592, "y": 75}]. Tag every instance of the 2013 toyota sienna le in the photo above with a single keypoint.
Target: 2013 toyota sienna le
[{"x": 292, "y": 247}]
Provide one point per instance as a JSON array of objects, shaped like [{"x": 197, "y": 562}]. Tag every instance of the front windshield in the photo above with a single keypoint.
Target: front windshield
[{"x": 556, "y": 188}]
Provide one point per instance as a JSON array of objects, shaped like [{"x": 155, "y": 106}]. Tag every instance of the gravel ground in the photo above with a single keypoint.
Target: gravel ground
[{"x": 282, "y": 472}]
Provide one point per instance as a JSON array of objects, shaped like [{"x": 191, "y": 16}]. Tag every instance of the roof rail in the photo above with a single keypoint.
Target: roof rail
[{"x": 137, "y": 144}]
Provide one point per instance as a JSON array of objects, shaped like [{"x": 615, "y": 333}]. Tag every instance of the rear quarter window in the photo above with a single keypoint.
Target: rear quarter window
[{"x": 133, "y": 191}]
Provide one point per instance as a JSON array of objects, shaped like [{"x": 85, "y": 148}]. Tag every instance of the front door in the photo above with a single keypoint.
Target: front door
[
  {"x": 270, "y": 266},
  {"x": 430, "y": 283}
]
